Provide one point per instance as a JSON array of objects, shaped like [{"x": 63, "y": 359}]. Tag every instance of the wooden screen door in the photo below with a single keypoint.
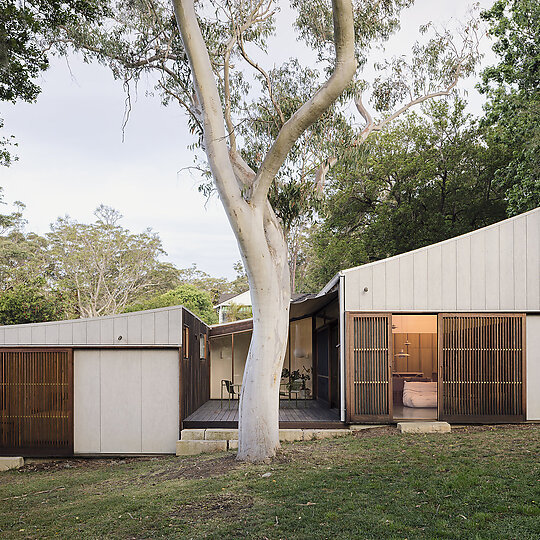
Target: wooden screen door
[
  {"x": 369, "y": 354},
  {"x": 36, "y": 402},
  {"x": 481, "y": 367}
]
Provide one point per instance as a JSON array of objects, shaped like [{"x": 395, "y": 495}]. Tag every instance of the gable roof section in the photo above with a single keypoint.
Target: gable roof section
[
  {"x": 496, "y": 268},
  {"x": 160, "y": 327},
  {"x": 243, "y": 298}
]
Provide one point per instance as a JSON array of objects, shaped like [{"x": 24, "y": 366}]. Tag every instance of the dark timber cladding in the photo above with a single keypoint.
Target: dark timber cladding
[
  {"x": 194, "y": 369},
  {"x": 369, "y": 347},
  {"x": 36, "y": 402},
  {"x": 482, "y": 363}
]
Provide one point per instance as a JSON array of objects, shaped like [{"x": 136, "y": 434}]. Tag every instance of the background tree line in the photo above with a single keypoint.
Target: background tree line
[{"x": 90, "y": 270}]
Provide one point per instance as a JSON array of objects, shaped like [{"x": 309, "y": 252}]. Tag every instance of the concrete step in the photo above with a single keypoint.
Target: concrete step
[
  {"x": 197, "y": 441},
  {"x": 285, "y": 435},
  {"x": 7, "y": 463},
  {"x": 424, "y": 427},
  {"x": 188, "y": 447}
]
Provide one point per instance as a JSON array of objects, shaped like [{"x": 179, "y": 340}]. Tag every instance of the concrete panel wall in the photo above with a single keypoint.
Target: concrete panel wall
[
  {"x": 160, "y": 401},
  {"x": 121, "y": 402},
  {"x": 126, "y": 401},
  {"x": 493, "y": 269},
  {"x": 154, "y": 327},
  {"x": 533, "y": 367},
  {"x": 87, "y": 402}
]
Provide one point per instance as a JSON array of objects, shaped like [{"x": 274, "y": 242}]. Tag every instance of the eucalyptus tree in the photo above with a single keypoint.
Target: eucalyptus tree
[
  {"x": 103, "y": 267},
  {"x": 202, "y": 60},
  {"x": 431, "y": 71}
]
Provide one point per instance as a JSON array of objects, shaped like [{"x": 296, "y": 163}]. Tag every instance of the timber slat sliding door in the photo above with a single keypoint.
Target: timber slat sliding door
[
  {"x": 482, "y": 367},
  {"x": 36, "y": 402},
  {"x": 369, "y": 349}
]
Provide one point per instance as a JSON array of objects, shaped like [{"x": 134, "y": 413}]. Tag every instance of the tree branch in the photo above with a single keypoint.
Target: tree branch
[
  {"x": 320, "y": 175},
  {"x": 372, "y": 126},
  {"x": 265, "y": 75},
  {"x": 310, "y": 111},
  {"x": 211, "y": 112},
  {"x": 227, "y": 92}
]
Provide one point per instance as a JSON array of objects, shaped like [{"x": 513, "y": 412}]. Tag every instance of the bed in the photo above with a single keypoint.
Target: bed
[{"x": 419, "y": 394}]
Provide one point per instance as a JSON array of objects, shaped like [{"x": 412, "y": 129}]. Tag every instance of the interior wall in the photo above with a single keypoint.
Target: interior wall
[
  {"x": 422, "y": 350},
  {"x": 421, "y": 333},
  {"x": 241, "y": 348},
  {"x": 301, "y": 350},
  {"x": 220, "y": 363}
]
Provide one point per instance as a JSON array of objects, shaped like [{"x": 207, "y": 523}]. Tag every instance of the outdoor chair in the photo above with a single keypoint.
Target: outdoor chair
[
  {"x": 229, "y": 388},
  {"x": 293, "y": 387}
]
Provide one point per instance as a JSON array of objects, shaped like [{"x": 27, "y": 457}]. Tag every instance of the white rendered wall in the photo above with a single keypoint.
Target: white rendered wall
[
  {"x": 492, "y": 269},
  {"x": 533, "y": 367},
  {"x": 126, "y": 401}
]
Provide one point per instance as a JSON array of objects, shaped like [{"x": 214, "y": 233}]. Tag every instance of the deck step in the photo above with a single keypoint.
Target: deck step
[
  {"x": 189, "y": 447},
  {"x": 424, "y": 427}
]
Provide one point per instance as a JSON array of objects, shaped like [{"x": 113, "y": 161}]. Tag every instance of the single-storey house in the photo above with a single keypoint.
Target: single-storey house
[
  {"x": 448, "y": 332},
  {"x": 106, "y": 385}
]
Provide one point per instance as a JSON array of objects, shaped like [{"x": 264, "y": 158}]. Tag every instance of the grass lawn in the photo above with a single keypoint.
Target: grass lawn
[{"x": 472, "y": 483}]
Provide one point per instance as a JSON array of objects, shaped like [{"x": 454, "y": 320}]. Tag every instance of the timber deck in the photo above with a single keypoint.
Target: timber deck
[{"x": 292, "y": 414}]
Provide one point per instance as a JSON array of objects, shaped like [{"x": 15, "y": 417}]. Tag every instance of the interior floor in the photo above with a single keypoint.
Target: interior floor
[{"x": 414, "y": 413}]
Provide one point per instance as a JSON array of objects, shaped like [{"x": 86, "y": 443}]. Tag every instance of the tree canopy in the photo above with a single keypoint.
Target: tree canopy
[
  {"x": 422, "y": 180},
  {"x": 82, "y": 270},
  {"x": 513, "y": 106},
  {"x": 197, "y": 301},
  {"x": 104, "y": 265}
]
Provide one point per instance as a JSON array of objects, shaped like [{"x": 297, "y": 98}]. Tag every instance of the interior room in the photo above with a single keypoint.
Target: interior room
[{"x": 414, "y": 367}]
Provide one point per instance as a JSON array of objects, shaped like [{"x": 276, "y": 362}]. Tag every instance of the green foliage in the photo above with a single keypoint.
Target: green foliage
[
  {"x": 197, "y": 301},
  {"x": 513, "y": 106},
  {"x": 212, "y": 285},
  {"x": 6, "y": 158},
  {"x": 25, "y": 27},
  {"x": 237, "y": 312},
  {"x": 23, "y": 257},
  {"x": 420, "y": 181},
  {"x": 374, "y": 22},
  {"x": 515, "y": 24},
  {"x": 23, "y": 304}
]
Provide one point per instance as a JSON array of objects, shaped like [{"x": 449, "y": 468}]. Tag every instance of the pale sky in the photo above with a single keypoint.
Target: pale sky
[{"x": 72, "y": 158}]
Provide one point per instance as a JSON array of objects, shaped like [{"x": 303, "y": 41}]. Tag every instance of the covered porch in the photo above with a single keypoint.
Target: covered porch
[{"x": 310, "y": 379}]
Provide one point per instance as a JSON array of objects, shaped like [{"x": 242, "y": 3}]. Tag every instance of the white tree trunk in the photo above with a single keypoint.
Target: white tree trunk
[
  {"x": 244, "y": 195},
  {"x": 268, "y": 273}
]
